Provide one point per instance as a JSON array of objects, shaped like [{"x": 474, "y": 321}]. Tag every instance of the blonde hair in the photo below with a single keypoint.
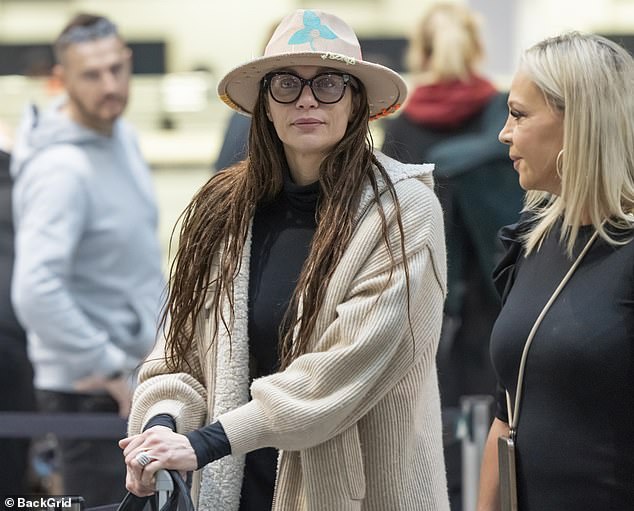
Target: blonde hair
[
  {"x": 447, "y": 44},
  {"x": 590, "y": 79}
]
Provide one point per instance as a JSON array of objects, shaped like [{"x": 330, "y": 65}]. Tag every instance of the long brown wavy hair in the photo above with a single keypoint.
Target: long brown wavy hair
[{"x": 216, "y": 223}]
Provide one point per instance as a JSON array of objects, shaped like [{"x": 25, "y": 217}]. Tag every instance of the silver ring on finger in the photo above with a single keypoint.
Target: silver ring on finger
[{"x": 143, "y": 458}]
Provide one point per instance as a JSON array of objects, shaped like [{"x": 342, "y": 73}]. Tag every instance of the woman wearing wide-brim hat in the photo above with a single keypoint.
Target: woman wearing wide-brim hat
[{"x": 298, "y": 367}]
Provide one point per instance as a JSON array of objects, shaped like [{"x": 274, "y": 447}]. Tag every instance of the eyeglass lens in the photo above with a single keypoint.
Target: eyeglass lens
[{"x": 326, "y": 87}]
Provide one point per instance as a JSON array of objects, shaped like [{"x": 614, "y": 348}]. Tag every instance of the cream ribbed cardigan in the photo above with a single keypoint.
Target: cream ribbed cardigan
[{"x": 357, "y": 420}]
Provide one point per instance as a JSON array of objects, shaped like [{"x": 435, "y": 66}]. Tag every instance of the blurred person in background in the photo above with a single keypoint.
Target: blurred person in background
[
  {"x": 452, "y": 119},
  {"x": 305, "y": 302},
  {"x": 87, "y": 281},
  {"x": 570, "y": 135},
  {"x": 16, "y": 373},
  {"x": 235, "y": 141}
]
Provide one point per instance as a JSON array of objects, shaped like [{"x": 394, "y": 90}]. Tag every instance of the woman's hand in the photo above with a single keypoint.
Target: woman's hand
[
  {"x": 164, "y": 449},
  {"x": 489, "y": 496}
]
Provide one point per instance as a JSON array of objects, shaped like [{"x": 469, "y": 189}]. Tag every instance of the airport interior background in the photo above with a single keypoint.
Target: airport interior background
[{"x": 183, "y": 47}]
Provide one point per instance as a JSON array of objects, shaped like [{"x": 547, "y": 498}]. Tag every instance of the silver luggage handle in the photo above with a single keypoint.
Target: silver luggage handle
[{"x": 164, "y": 486}]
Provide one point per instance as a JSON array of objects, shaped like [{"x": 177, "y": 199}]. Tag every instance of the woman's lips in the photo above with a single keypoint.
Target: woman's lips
[
  {"x": 308, "y": 121},
  {"x": 516, "y": 162}
]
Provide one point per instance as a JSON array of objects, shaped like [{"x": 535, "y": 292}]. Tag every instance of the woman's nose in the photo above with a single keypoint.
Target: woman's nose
[
  {"x": 307, "y": 98},
  {"x": 506, "y": 135}
]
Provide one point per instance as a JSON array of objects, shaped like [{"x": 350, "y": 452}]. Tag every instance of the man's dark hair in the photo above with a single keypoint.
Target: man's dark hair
[{"x": 83, "y": 27}]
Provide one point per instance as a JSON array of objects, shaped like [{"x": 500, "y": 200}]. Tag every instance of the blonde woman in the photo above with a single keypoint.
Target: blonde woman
[
  {"x": 305, "y": 302},
  {"x": 444, "y": 57},
  {"x": 570, "y": 135}
]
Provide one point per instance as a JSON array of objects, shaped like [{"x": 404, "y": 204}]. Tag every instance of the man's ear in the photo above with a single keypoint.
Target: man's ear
[
  {"x": 59, "y": 73},
  {"x": 127, "y": 53}
]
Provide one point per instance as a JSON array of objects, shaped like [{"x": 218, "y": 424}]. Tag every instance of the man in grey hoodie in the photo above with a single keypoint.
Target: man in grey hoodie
[{"x": 87, "y": 280}]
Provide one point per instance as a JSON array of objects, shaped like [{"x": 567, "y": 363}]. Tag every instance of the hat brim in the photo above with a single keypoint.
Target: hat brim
[{"x": 386, "y": 89}]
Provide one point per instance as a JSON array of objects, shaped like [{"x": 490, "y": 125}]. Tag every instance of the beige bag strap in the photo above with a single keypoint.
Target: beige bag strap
[{"x": 513, "y": 418}]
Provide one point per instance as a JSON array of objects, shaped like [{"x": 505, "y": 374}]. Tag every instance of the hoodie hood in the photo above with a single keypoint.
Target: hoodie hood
[
  {"x": 39, "y": 130},
  {"x": 447, "y": 105},
  {"x": 397, "y": 172}
]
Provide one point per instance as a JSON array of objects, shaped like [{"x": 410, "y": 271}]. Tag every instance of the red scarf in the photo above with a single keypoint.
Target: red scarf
[{"x": 449, "y": 104}]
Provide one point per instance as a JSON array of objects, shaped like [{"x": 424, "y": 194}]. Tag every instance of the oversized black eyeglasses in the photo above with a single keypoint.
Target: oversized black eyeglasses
[{"x": 286, "y": 87}]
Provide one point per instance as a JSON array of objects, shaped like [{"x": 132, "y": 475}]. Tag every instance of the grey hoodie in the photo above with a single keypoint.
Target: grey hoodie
[{"x": 87, "y": 282}]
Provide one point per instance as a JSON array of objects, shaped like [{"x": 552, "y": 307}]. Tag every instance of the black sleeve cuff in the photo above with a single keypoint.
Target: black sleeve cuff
[
  {"x": 209, "y": 443},
  {"x": 162, "y": 419}
]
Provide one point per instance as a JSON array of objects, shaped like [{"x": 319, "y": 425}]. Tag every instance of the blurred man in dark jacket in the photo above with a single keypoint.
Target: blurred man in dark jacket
[{"x": 16, "y": 373}]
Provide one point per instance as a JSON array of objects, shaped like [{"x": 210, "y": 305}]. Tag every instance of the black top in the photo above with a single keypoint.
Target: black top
[
  {"x": 575, "y": 436},
  {"x": 282, "y": 233}
]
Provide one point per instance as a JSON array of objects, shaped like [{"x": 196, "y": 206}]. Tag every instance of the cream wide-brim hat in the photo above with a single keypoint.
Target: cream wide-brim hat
[{"x": 314, "y": 38}]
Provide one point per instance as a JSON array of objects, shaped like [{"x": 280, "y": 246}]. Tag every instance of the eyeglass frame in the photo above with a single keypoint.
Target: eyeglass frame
[{"x": 348, "y": 79}]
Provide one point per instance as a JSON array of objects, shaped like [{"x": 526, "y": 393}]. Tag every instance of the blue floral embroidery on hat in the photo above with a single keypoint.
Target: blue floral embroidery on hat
[{"x": 313, "y": 29}]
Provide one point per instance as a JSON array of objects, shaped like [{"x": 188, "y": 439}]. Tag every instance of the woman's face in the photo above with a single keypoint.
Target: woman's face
[
  {"x": 534, "y": 132},
  {"x": 307, "y": 127}
]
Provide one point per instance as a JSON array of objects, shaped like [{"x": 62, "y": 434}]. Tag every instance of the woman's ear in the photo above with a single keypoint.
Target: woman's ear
[
  {"x": 355, "y": 107},
  {"x": 268, "y": 112}
]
